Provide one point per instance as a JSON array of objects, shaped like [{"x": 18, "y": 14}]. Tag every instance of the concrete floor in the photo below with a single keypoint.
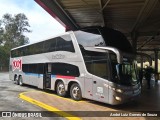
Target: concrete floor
[{"x": 147, "y": 103}]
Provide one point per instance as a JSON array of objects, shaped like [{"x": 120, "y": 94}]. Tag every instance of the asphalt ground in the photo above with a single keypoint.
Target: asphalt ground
[{"x": 10, "y": 101}]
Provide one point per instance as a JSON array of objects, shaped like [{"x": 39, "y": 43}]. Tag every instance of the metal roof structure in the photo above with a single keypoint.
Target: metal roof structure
[{"x": 139, "y": 20}]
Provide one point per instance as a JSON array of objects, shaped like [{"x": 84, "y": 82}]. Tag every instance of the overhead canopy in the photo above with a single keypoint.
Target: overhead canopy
[{"x": 135, "y": 18}]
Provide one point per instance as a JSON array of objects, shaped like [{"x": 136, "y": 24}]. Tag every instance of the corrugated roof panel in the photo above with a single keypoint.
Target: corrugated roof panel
[
  {"x": 122, "y": 14},
  {"x": 152, "y": 23}
]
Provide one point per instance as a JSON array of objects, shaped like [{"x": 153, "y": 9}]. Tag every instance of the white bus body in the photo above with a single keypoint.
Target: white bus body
[{"x": 77, "y": 63}]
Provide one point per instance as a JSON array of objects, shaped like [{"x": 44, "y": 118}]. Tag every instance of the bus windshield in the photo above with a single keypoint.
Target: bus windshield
[{"x": 125, "y": 73}]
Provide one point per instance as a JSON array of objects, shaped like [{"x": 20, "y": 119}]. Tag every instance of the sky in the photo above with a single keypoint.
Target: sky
[{"x": 42, "y": 24}]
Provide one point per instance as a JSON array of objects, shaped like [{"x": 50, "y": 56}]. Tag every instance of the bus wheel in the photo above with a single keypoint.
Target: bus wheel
[
  {"x": 16, "y": 80},
  {"x": 60, "y": 89},
  {"x": 20, "y": 81},
  {"x": 75, "y": 92}
]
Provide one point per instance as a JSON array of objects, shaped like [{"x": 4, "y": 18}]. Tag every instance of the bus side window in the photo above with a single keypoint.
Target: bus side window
[
  {"x": 25, "y": 68},
  {"x": 40, "y": 68},
  {"x": 65, "y": 69},
  {"x": 39, "y": 48},
  {"x": 12, "y": 53},
  {"x": 32, "y": 49},
  {"x": 34, "y": 68},
  {"x": 64, "y": 43},
  {"x": 49, "y": 45}
]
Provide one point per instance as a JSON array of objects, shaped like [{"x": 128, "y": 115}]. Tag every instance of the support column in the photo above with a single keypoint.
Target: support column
[
  {"x": 141, "y": 62},
  {"x": 134, "y": 37},
  {"x": 156, "y": 64}
]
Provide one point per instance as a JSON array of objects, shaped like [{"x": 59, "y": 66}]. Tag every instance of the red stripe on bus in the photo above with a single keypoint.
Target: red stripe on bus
[{"x": 67, "y": 77}]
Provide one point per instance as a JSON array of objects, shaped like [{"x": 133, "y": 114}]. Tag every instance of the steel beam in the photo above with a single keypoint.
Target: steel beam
[
  {"x": 56, "y": 11},
  {"x": 134, "y": 37},
  {"x": 102, "y": 17},
  {"x": 146, "y": 42},
  {"x": 71, "y": 19},
  {"x": 147, "y": 34},
  {"x": 148, "y": 49}
]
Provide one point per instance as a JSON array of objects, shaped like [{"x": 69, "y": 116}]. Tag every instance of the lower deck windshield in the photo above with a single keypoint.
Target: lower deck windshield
[{"x": 123, "y": 74}]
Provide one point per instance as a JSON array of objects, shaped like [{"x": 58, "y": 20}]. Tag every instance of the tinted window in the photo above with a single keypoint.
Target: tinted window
[
  {"x": 19, "y": 52},
  {"x": 96, "y": 63},
  {"x": 16, "y": 53},
  {"x": 22, "y": 50},
  {"x": 31, "y": 49},
  {"x": 39, "y": 48},
  {"x": 25, "y": 67},
  {"x": 40, "y": 68},
  {"x": 33, "y": 68},
  {"x": 26, "y": 50},
  {"x": 49, "y": 45},
  {"x": 65, "y": 69},
  {"x": 64, "y": 43},
  {"x": 13, "y": 53}
]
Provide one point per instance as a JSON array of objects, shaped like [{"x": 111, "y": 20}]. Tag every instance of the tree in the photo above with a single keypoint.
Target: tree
[
  {"x": 12, "y": 29},
  {"x": 1, "y": 33}
]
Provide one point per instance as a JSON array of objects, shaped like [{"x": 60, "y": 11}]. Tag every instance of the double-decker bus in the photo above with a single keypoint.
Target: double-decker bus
[{"x": 83, "y": 63}]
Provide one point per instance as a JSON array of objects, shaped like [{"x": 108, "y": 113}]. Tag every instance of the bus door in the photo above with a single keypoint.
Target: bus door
[
  {"x": 100, "y": 89},
  {"x": 88, "y": 86},
  {"x": 100, "y": 80},
  {"x": 47, "y": 76}
]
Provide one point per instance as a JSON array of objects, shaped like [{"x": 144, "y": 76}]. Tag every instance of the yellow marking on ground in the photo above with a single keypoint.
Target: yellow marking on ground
[
  {"x": 61, "y": 97},
  {"x": 47, "y": 107},
  {"x": 54, "y": 95}
]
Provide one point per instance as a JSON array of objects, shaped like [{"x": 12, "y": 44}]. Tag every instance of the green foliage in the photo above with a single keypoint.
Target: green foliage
[
  {"x": 4, "y": 56},
  {"x": 1, "y": 33},
  {"x": 12, "y": 29}
]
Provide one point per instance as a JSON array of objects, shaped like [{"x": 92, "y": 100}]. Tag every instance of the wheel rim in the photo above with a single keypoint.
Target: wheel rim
[
  {"x": 15, "y": 80},
  {"x": 76, "y": 92},
  {"x": 20, "y": 81},
  {"x": 61, "y": 89}
]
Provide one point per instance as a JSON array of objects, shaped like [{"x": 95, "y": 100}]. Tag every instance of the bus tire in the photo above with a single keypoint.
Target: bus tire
[
  {"x": 75, "y": 92},
  {"x": 16, "y": 80},
  {"x": 20, "y": 81},
  {"x": 60, "y": 89}
]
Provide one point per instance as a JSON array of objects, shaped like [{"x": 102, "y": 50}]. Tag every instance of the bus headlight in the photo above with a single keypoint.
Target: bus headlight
[
  {"x": 119, "y": 90},
  {"x": 118, "y": 98},
  {"x": 113, "y": 88}
]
